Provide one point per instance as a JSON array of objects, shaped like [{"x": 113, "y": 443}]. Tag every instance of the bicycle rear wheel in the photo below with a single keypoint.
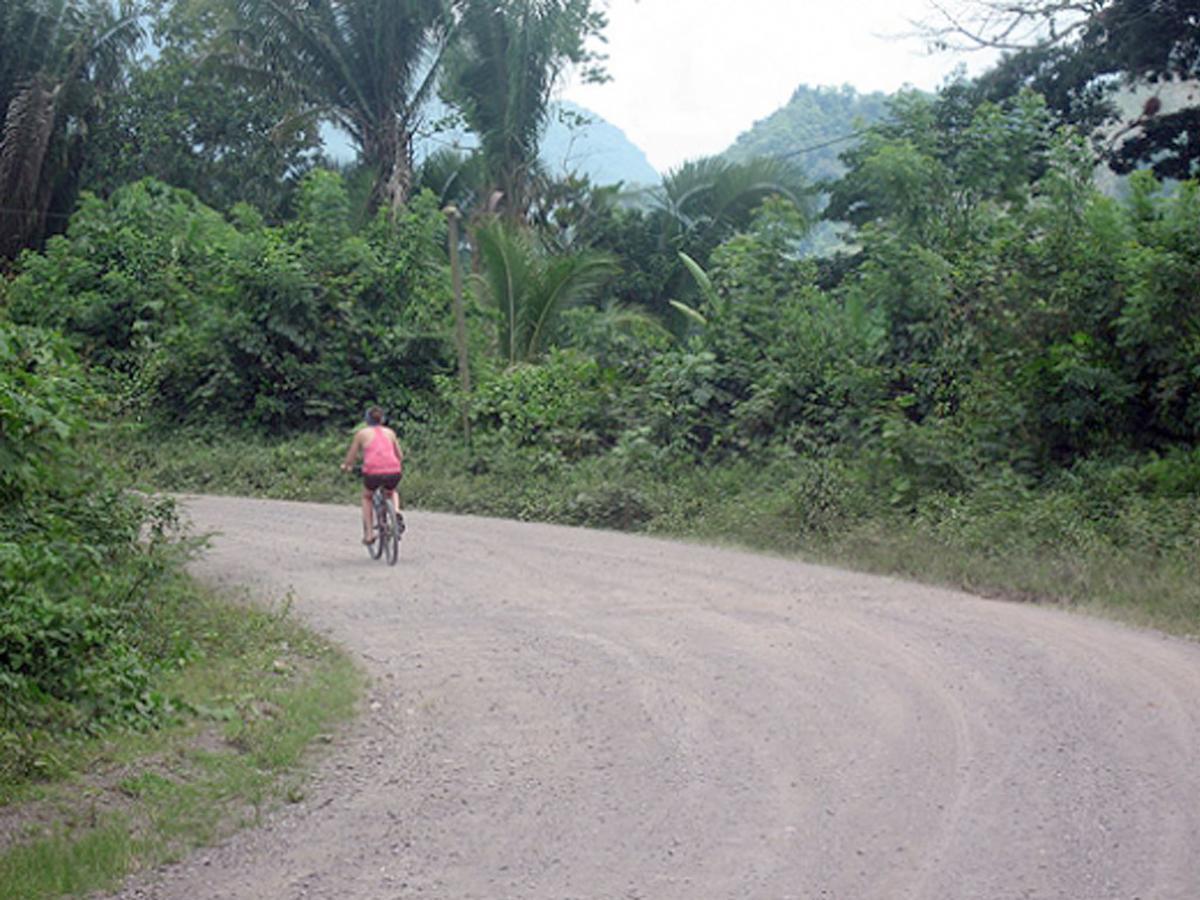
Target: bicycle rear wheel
[
  {"x": 376, "y": 548},
  {"x": 391, "y": 535}
]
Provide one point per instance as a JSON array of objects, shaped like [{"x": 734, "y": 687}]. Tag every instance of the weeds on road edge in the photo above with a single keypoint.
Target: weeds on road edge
[
  {"x": 259, "y": 691},
  {"x": 1104, "y": 538}
]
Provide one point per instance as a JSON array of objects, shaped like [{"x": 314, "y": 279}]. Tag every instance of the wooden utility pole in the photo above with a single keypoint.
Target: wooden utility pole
[{"x": 460, "y": 321}]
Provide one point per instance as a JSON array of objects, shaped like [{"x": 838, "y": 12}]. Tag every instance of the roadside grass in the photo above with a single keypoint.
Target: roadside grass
[
  {"x": 259, "y": 692},
  {"x": 1161, "y": 593},
  {"x": 1079, "y": 544}
]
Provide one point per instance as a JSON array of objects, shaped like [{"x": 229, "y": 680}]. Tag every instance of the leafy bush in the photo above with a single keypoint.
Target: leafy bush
[
  {"x": 559, "y": 405},
  {"x": 824, "y": 496},
  {"x": 1159, "y": 328},
  {"x": 84, "y": 565},
  {"x": 128, "y": 272},
  {"x": 686, "y": 400},
  {"x": 195, "y": 318},
  {"x": 622, "y": 340},
  {"x": 1177, "y": 474}
]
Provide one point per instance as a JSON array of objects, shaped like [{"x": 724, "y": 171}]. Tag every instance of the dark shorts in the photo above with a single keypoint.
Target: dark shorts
[{"x": 370, "y": 482}]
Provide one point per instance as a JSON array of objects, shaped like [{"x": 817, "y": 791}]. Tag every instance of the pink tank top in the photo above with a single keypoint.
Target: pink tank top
[{"x": 379, "y": 455}]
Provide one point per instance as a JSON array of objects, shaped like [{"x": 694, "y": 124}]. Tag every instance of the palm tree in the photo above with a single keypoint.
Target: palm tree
[
  {"x": 500, "y": 73},
  {"x": 367, "y": 66},
  {"x": 455, "y": 177},
  {"x": 703, "y": 201},
  {"x": 58, "y": 61},
  {"x": 529, "y": 288}
]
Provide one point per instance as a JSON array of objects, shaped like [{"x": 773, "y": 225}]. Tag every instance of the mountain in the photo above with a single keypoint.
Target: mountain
[
  {"x": 812, "y": 129},
  {"x": 580, "y": 141},
  {"x": 810, "y": 126},
  {"x": 577, "y": 141}
]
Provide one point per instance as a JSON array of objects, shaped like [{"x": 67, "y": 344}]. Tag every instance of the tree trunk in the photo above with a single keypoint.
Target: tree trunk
[
  {"x": 28, "y": 128},
  {"x": 390, "y": 152}
]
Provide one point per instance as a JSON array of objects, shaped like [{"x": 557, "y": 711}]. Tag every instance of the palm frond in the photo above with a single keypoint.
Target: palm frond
[
  {"x": 707, "y": 290},
  {"x": 689, "y": 312},
  {"x": 58, "y": 59},
  {"x": 625, "y": 317},
  {"x": 563, "y": 281},
  {"x": 505, "y": 257},
  {"x": 529, "y": 289},
  {"x": 500, "y": 73},
  {"x": 714, "y": 192},
  {"x": 455, "y": 177}
]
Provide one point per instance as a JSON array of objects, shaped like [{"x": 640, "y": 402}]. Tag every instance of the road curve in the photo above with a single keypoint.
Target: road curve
[{"x": 561, "y": 713}]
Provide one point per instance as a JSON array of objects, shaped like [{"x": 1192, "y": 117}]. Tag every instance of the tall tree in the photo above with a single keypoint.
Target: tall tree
[
  {"x": 59, "y": 60},
  {"x": 1013, "y": 25},
  {"x": 501, "y": 71},
  {"x": 191, "y": 125},
  {"x": 364, "y": 65},
  {"x": 1077, "y": 52}
]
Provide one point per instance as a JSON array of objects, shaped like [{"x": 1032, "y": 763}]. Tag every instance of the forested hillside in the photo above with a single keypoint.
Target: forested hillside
[
  {"x": 999, "y": 388},
  {"x": 814, "y": 127},
  {"x": 812, "y": 132}
]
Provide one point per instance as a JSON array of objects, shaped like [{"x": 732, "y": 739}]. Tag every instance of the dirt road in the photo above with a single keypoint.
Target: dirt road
[{"x": 560, "y": 713}]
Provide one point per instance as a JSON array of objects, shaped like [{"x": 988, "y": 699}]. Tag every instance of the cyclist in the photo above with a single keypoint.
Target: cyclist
[{"x": 383, "y": 462}]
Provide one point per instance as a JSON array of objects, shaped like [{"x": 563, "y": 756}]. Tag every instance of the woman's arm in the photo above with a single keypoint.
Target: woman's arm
[{"x": 352, "y": 452}]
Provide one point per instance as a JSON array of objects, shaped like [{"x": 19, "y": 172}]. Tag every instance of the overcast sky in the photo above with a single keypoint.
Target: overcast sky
[{"x": 690, "y": 75}]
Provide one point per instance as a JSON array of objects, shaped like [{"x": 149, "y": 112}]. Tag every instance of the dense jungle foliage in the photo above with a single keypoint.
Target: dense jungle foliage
[
  {"x": 993, "y": 383},
  {"x": 88, "y": 570},
  {"x": 998, "y": 311}
]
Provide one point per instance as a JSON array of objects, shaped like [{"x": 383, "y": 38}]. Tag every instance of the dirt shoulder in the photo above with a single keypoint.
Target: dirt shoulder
[{"x": 563, "y": 713}]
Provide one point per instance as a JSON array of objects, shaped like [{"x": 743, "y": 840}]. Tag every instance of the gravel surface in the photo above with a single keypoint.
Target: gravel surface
[{"x": 561, "y": 713}]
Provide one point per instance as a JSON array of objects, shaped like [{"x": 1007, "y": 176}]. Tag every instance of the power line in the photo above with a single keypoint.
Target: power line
[{"x": 821, "y": 146}]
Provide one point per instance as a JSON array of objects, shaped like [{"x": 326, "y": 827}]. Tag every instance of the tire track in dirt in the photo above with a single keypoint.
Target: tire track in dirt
[{"x": 560, "y": 713}]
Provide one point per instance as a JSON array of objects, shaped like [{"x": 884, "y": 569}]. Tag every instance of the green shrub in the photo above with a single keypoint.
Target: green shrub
[
  {"x": 185, "y": 316},
  {"x": 83, "y": 563},
  {"x": 1175, "y": 474},
  {"x": 608, "y": 506},
  {"x": 559, "y": 405},
  {"x": 824, "y": 496}
]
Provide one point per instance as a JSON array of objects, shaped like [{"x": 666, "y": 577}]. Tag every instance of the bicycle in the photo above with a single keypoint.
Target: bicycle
[{"x": 389, "y": 526}]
